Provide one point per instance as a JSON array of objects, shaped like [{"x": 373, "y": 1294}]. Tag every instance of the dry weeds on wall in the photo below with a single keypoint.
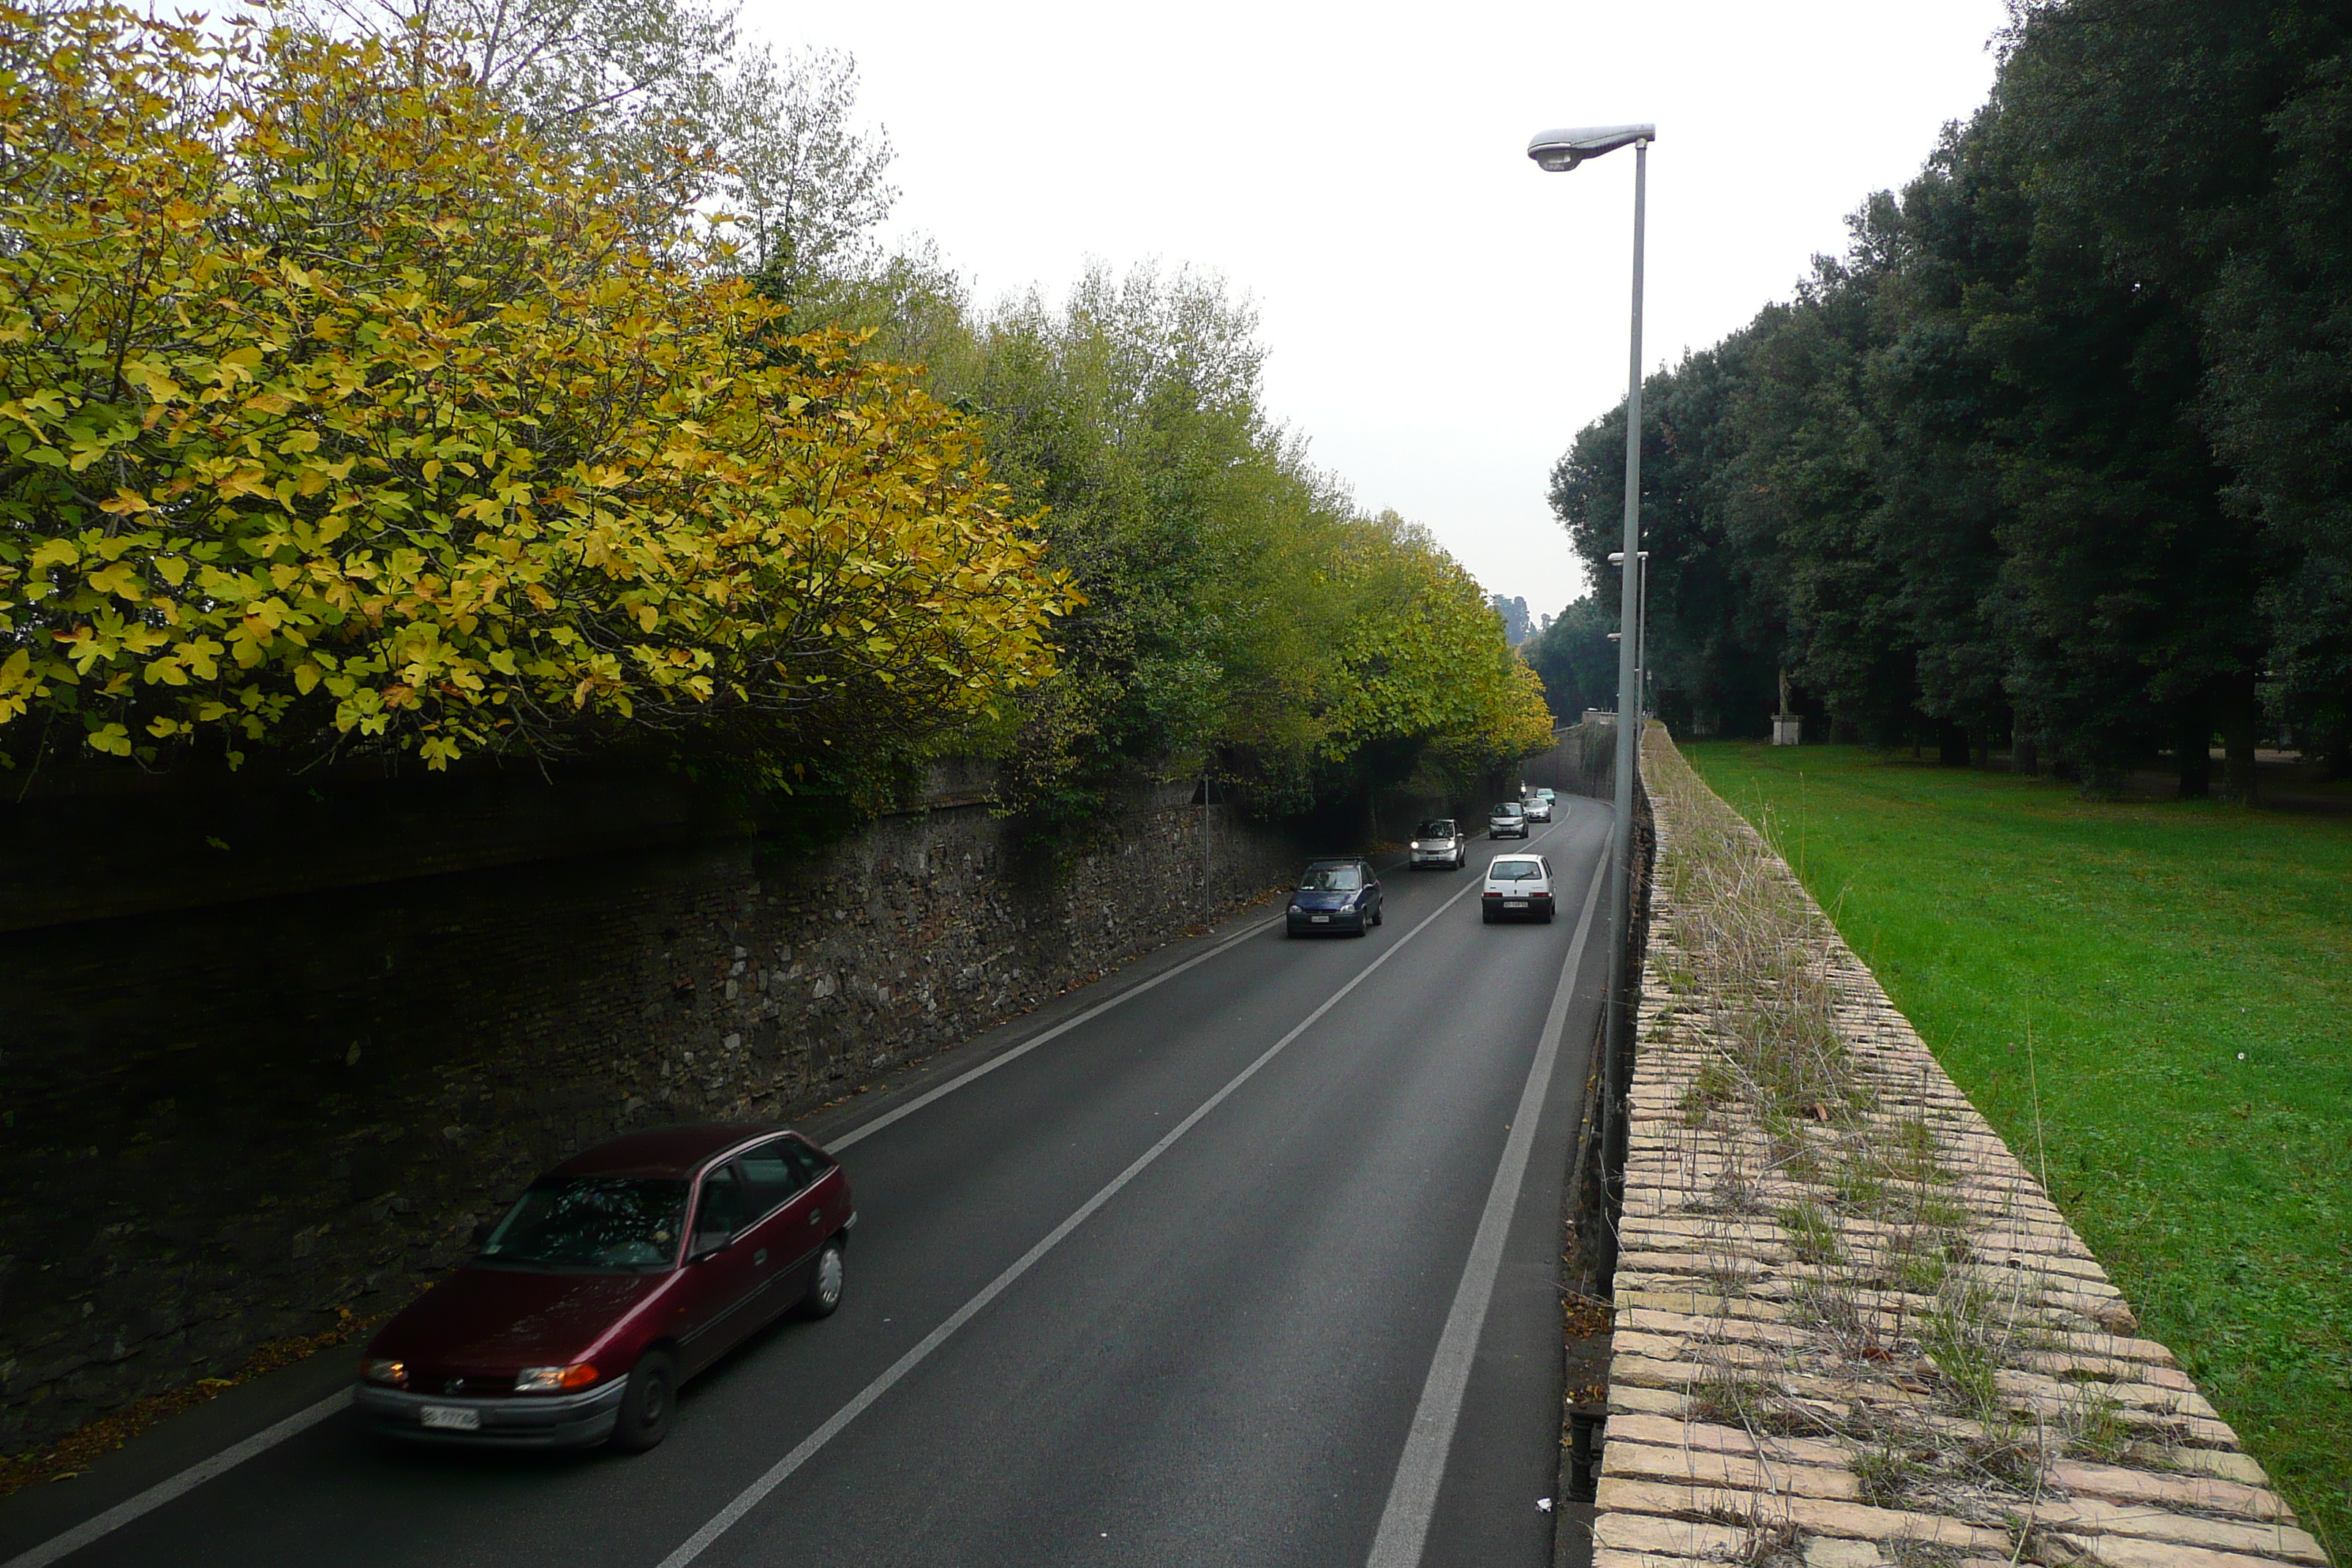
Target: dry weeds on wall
[{"x": 1851, "y": 1328}]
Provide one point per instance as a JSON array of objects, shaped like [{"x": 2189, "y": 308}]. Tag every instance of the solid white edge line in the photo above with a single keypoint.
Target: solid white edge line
[
  {"x": 187, "y": 1480},
  {"x": 1413, "y": 1496},
  {"x": 100, "y": 1525},
  {"x": 776, "y": 1475}
]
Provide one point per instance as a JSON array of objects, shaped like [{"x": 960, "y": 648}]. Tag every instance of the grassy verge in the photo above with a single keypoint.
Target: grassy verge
[{"x": 2185, "y": 971}]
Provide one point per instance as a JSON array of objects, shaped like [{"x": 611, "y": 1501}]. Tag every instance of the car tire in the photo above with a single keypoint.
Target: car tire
[
  {"x": 1486, "y": 916},
  {"x": 649, "y": 1405},
  {"x": 1378, "y": 915},
  {"x": 824, "y": 1297}
]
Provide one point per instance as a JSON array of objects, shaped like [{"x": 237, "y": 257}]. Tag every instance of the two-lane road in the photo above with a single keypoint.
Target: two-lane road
[{"x": 1198, "y": 1279}]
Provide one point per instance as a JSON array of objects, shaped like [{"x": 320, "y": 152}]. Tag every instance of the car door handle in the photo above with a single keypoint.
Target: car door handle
[
  {"x": 760, "y": 1258},
  {"x": 816, "y": 1216}
]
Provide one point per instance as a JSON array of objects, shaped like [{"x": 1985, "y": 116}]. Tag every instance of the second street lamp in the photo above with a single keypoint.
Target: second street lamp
[
  {"x": 1641, "y": 629},
  {"x": 1558, "y": 151}
]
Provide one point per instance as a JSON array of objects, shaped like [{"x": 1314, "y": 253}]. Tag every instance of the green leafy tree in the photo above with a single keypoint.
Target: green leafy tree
[{"x": 342, "y": 415}]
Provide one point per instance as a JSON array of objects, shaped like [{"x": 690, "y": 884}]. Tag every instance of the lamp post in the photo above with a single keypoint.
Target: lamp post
[{"x": 1557, "y": 153}]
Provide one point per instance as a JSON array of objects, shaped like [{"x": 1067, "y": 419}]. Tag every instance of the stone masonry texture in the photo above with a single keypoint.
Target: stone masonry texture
[
  {"x": 224, "y": 1123},
  {"x": 1859, "y": 1335}
]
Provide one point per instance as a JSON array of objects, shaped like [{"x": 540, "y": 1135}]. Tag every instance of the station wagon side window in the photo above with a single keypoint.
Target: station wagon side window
[
  {"x": 774, "y": 1170},
  {"x": 721, "y": 1211}
]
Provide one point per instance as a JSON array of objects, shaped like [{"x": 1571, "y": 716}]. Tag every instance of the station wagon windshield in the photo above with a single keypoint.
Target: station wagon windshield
[
  {"x": 597, "y": 1224},
  {"x": 1331, "y": 879}
]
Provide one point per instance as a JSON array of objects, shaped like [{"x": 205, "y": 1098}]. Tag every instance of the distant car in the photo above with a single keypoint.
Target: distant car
[
  {"x": 1550, "y": 798},
  {"x": 1518, "y": 886},
  {"x": 1537, "y": 809},
  {"x": 1441, "y": 842},
  {"x": 594, "y": 1297},
  {"x": 1507, "y": 819},
  {"x": 1333, "y": 896}
]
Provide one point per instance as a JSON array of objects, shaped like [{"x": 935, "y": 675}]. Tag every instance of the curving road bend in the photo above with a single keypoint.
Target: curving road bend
[{"x": 1197, "y": 1277}]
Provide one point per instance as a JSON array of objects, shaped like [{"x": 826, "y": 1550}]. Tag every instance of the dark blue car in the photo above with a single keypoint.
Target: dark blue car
[{"x": 1335, "y": 896}]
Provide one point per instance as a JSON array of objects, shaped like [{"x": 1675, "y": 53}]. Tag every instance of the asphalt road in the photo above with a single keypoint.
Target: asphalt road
[{"x": 1172, "y": 1287}]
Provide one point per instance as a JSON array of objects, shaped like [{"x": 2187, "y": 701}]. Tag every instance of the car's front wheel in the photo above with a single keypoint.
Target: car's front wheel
[
  {"x": 825, "y": 1286},
  {"x": 649, "y": 1405}
]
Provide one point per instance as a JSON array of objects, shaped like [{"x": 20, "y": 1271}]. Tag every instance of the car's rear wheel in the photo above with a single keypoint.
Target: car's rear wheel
[
  {"x": 649, "y": 1405},
  {"x": 825, "y": 1286}
]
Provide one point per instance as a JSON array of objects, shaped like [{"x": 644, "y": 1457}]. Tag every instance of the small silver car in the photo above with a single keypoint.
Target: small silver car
[
  {"x": 1536, "y": 806},
  {"x": 1441, "y": 842},
  {"x": 1507, "y": 819}
]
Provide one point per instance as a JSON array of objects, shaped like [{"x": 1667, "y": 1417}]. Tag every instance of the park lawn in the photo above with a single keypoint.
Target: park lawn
[{"x": 2187, "y": 971}]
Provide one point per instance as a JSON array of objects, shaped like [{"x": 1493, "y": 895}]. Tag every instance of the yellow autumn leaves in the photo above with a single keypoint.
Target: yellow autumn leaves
[{"x": 337, "y": 412}]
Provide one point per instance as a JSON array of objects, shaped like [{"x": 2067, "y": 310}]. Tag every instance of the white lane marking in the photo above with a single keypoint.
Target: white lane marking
[
  {"x": 751, "y": 1495},
  {"x": 1413, "y": 1496},
  {"x": 870, "y": 1128},
  {"x": 187, "y": 1480},
  {"x": 1064, "y": 1027},
  {"x": 196, "y": 1474}
]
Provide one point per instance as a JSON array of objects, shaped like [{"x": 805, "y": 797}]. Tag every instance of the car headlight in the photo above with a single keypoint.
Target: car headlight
[
  {"x": 392, "y": 1373},
  {"x": 555, "y": 1379},
  {"x": 1416, "y": 844}
]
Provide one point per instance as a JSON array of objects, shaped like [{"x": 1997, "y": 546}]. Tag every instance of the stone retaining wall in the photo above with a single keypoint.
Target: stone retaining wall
[
  {"x": 1855, "y": 1331},
  {"x": 222, "y": 1123}
]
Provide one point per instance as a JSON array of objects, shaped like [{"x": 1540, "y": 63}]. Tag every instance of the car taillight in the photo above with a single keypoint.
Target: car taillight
[{"x": 1494, "y": 893}]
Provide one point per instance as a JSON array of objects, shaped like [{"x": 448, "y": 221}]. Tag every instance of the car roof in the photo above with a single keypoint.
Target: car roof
[
  {"x": 1337, "y": 860},
  {"x": 1516, "y": 859},
  {"x": 678, "y": 1152}
]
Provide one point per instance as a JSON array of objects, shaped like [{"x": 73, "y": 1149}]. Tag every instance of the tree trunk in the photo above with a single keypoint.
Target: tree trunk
[
  {"x": 2241, "y": 715},
  {"x": 1951, "y": 744},
  {"x": 1983, "y": 736},
  {"x": 2025, "y": 756},
  {"x": 2192, "y": 748}
]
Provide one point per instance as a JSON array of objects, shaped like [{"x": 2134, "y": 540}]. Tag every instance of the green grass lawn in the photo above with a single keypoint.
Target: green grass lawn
[{"x": 2186, "y": 969}]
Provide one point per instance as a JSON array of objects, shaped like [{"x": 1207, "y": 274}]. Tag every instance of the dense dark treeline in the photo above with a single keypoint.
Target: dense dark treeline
[{"x": 2056, "y": 456}]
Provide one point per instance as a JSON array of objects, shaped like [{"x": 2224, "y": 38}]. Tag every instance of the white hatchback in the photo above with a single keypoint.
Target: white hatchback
[{"x": 1519, "y": 888}]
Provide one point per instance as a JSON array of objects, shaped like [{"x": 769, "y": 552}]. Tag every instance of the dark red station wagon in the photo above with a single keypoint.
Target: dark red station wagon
[{"x": 595, "y": 1298}]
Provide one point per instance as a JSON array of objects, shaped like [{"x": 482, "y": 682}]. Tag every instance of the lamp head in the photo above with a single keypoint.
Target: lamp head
[{"x": 1557, "y": 151}]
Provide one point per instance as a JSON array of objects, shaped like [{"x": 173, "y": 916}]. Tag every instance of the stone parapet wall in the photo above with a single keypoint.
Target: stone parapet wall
[
  {"x": 222, "y": 1124},
  {"x": 1851, "y": 1330}
]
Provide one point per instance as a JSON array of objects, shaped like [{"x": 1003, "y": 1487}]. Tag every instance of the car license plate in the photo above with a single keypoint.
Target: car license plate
[
  {"x": 453, "y": 1418},
  {"x": 1515, "y": 904},
  {"x": 1319, "y": 919}
]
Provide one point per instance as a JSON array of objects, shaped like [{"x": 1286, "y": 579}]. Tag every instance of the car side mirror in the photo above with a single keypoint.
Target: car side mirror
[{"x": 710, "y": 1244}]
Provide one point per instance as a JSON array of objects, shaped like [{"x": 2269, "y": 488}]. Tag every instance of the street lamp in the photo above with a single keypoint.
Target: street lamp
[{"x": 1558, "y": 151}]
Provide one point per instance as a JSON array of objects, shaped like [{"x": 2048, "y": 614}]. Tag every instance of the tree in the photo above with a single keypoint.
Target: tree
[
  {"x": 1576, "y": 660},
  {"x": 801, "y": 186},
  {"x": 342, "y": 414}
]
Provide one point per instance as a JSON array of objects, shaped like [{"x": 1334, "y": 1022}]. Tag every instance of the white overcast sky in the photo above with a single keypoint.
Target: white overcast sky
[{"x": 1441, "y": 317}]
